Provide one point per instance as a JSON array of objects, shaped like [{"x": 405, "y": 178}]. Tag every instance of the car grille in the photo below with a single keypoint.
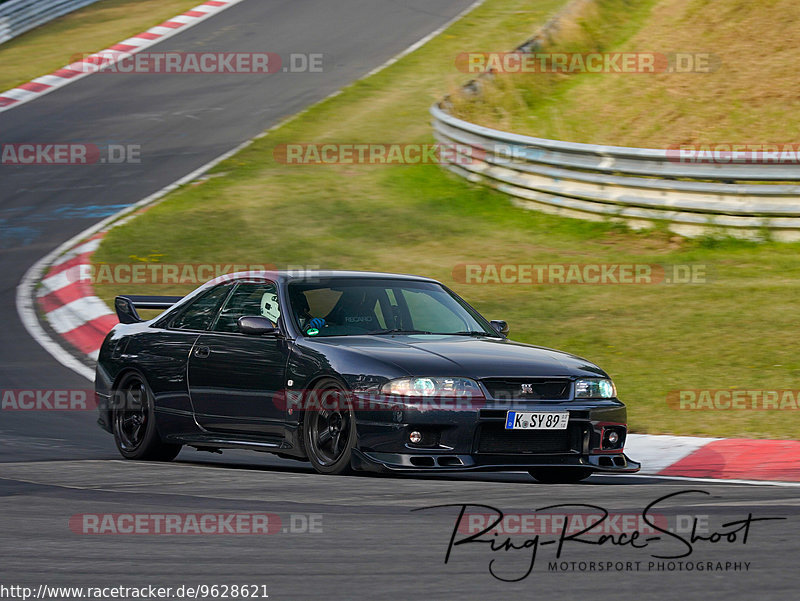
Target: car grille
[
  {"x": 495, "y": 439},
  {"x": 512, "y": 389}
]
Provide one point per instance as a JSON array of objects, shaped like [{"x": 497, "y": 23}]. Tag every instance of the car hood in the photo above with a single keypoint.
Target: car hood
[{"x": 425, "y": 355}]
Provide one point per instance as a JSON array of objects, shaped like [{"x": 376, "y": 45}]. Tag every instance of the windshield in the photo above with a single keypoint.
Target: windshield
[{"x": 357, "y": 307}]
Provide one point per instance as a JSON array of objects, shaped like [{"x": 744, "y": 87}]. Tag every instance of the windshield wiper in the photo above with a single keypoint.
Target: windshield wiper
[
  {"x": 402, "y": 331},
  {"x": 398, "y": 331},
  {"x": 475, "y": 333}
]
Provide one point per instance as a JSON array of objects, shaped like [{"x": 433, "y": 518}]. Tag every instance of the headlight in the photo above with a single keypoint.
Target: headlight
[
  {"x": 429, "y": 387},
  {"x": 595, "y": 388}
]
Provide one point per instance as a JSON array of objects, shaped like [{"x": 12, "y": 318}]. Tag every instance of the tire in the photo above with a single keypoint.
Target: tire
[
  {"x": 133, "y": 422},
  {"x": 560, "y": 475},
  {"x": 329, "y": 434}
]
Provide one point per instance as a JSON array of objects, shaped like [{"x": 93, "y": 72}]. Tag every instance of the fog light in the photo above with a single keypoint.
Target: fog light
[
  {"x": 415, "y": 437},
  {"x": 613, "y": 437}
]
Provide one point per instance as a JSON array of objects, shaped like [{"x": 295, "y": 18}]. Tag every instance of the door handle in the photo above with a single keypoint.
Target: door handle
[{"x": 201, "y": 352}]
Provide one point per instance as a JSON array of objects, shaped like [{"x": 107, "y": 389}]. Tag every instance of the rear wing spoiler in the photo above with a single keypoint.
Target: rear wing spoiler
[{"x": 126, "y": 306}]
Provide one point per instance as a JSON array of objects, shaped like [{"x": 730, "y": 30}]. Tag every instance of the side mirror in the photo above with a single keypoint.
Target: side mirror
[
  {"x": 500, "y": 325},
  {"x": 255, "y": 325}
]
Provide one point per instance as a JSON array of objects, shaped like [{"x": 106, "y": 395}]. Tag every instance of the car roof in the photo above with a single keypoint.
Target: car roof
[{"x": 285, "y": 276}]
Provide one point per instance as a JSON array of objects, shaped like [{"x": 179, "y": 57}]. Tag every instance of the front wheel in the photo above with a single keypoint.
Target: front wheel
[
  {"x": 329, "y": 430},
  {"x": 134, "y": 423},
  {"x": 560, "y": 475}
]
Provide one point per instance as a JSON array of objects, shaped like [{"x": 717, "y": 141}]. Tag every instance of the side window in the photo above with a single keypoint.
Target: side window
[
  {"x": 248, "y": 299},
  {"x": 199, "y": 314}
]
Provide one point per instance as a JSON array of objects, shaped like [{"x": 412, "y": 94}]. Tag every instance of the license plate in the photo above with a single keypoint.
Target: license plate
[{"x": 545, "y": 420}]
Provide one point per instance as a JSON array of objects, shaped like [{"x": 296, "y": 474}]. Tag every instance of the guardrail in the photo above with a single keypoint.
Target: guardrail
[
  {"x": 19, "y": 16},
  {"x": 637, "y": 185}
]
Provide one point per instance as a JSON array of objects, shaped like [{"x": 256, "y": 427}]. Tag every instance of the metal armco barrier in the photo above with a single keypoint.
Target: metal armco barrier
[
  {"x": 19, "y": 16},
  {"x": 637, "y": 185}
]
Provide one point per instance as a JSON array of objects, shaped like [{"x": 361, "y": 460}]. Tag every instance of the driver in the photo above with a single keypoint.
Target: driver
[{"x": 303, "y": 313}]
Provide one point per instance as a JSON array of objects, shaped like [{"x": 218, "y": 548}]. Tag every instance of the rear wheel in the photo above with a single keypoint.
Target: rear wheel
[
  {"x": 134, "y": 425},
  {"x": 329, "y": 430},
  {"x": 560, "y": 475}
]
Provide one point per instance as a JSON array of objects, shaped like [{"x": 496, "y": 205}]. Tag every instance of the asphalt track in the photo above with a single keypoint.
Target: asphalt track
[{"x": 371, "y": 545}]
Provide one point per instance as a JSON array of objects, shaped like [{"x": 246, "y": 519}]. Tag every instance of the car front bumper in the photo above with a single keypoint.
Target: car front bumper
[{"x": 473, "y": 437}]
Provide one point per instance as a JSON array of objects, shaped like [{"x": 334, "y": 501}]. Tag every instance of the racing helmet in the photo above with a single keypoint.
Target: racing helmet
[{"x": 269, "y": 306}]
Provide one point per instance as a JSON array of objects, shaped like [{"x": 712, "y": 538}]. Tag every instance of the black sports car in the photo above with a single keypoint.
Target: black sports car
[{"x": 352, "y": 370}]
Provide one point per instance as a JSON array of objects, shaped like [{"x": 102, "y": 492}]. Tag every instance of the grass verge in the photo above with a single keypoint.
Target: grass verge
[
  {"x": 92, "y": 28},
  {"x": 747, "y": 97},
  {"x": 735, "y": 331}
]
